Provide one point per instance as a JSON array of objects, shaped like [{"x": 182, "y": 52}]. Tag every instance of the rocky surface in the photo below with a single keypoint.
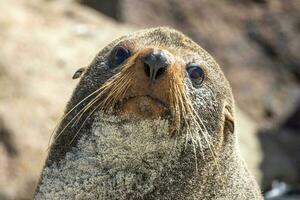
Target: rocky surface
[
  {"x": 44, "y": 42},
  {"x": 282, "y": 141}
]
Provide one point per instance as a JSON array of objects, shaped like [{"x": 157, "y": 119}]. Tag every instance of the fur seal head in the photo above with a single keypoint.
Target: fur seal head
[{"x": 152, "y": 117}]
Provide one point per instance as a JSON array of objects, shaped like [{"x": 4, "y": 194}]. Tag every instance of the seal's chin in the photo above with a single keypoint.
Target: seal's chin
[{"x": 145, "y": 107}]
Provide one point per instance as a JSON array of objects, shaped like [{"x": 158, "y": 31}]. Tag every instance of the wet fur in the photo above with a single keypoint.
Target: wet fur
[{"x": 205, "y": 163}]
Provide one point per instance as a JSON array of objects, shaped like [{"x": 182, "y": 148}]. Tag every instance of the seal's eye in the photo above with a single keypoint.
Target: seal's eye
[
  {"x": 120, "y": 54},
  {"x": 196, "y": 73}
]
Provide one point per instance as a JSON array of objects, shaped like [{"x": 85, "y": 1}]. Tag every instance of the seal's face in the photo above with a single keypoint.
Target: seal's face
[
  {"x": 150, "y": 82},
  {"x": 149, "y": 75},
  {"x": 163, "y": 74},
  {"x": 155, "y": 86}
]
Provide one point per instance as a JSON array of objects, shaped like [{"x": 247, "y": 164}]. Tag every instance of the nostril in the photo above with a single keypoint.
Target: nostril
[
  {"x": 160, "y": 72},
  {"x": 155, "y": 64},
  {"x": 147, "y": 69}
]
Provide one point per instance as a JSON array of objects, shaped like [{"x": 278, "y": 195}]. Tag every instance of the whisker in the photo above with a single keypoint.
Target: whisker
[
  {"x": 68, "y": 124},
  {"x": 102, "y": 90},
  {"x": 85, "y": 108},
  {"x": 111, "y": 91},
  {"x": 114, "y": 96},
  {"x": 92, "y": 112},
  {"x": 211, "y": 148},
  {"x": 67, "y": 114},
  {"x": 186, "y": 108},
  {"x": 179, "y": 109}
]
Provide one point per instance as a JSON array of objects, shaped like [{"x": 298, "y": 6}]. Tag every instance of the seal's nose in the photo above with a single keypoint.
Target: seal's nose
[{"x": 155, "y": 63}]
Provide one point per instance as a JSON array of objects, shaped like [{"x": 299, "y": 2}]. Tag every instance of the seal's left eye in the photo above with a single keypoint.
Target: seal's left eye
[
  {"x": 120, "y": 54},
  {"x": 196, "y": 73}
]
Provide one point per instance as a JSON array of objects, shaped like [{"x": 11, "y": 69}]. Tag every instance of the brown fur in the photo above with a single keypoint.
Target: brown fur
[{"x": 205, "y": 161}]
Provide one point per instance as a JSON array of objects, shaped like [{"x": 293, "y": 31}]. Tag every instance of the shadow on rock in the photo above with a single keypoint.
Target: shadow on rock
[
  {"x": 7, "y": 141},
  {"x": 281, "y": 152}
]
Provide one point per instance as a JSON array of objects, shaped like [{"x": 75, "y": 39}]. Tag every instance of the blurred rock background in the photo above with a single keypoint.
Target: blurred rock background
[{"x": 43, "y": 42}]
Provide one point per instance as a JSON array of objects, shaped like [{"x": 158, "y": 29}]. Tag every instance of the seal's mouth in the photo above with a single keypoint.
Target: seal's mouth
[
  {"x": 154, "y": 99},
  {"x": 144, "y": 106}
]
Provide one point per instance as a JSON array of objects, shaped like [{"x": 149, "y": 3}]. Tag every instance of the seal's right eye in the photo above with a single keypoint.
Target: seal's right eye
[
  {"x": 120, "y": 54},
  {"x": 196, "y": 73}
]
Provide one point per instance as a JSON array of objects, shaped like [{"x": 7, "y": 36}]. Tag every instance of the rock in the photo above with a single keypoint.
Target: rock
[
  {"x": 281, "y": 150},
  {"x": 249, "y": 143},
  {"x": 111, "y": 8},
  {"x": 280, "y": 162},
  {"x": 293, "y": 121},
  {"x": 6, "y": 140}
]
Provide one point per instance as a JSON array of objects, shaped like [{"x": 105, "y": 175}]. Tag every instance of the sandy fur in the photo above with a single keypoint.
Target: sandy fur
[
  {"x": 117, "y": 158},
  {"x": 116, "y": 161}
]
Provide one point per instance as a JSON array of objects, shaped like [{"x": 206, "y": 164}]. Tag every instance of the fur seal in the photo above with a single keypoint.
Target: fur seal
[{"x": 151, "y": 118}]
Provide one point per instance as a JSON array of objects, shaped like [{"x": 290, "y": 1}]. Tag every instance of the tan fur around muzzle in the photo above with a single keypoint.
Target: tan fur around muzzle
[{"x": 131, "y": 92}]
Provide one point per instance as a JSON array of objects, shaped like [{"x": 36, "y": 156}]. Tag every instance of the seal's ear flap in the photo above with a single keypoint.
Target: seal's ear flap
[
  {"x": 229, "y": 121},
  {"x": 79, "y": 72}
]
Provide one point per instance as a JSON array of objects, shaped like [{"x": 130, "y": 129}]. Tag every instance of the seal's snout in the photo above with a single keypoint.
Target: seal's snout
[
  {"x": 155, "y": 63},
  {"x": 148, "y": 83}
]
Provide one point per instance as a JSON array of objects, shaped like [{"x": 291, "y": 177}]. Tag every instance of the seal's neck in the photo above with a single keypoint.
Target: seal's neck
[{"x": 122, "y": 159}]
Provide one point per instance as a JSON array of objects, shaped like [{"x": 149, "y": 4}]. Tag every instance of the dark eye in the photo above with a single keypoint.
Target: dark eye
[
  {"x": 196, "y": 73},
  {"x": 120, "y": 54}
]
